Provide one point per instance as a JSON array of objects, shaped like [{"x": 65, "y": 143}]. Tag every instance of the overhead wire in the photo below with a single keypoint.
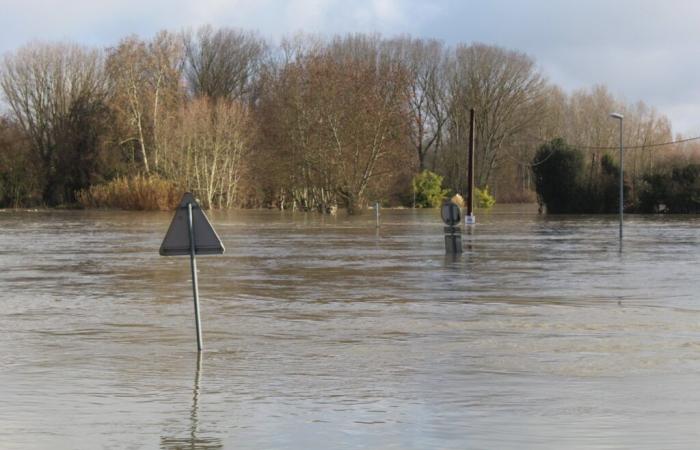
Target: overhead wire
[
  {"x": 590, "y": 147},
  {"x": 635, "y": 147}
]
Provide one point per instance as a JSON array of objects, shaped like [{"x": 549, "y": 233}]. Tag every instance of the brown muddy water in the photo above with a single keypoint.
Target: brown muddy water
[{"x": 324, "y": 333}]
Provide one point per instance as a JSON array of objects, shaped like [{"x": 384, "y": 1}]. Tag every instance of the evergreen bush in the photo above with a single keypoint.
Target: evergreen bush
[{"x": 427, "y": 189}]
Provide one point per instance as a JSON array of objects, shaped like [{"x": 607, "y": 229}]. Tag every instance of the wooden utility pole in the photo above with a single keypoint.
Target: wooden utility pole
[{"x": 469, "y": 217}]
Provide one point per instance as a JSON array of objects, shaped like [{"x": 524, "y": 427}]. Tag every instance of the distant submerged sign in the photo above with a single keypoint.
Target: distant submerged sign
[
  {"x": 177, "y": 239},
  {"x": 190, "y": 233}
]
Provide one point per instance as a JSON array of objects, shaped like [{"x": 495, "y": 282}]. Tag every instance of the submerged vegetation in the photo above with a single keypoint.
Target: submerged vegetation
[
  {"x": 314, "y": 124},
  {"x": 427, "y": 190},
  {"x": 483, "y": 199},
  {"x": 138, "y": 193},
  {"x": 673, "y": 190}
]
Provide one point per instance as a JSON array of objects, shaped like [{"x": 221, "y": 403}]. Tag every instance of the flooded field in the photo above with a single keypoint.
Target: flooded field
[{"x": 325, "y": 332}]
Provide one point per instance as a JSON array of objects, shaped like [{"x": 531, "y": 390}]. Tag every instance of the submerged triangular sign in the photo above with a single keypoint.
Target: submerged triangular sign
[{"x": 177, "y": 239}]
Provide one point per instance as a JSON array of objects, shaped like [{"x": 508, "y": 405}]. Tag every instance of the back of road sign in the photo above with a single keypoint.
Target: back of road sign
[
  {"x": 450, "y": 213},
  {"x": 177, "y": 239}
]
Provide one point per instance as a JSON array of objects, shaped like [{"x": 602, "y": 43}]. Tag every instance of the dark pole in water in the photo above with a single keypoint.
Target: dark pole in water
[
  {"x": 470, "y": 219},
  {"x": 195, "y": 288}
]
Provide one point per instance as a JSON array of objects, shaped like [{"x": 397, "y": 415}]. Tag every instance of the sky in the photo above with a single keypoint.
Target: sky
[{"x": 642, "y": 50}]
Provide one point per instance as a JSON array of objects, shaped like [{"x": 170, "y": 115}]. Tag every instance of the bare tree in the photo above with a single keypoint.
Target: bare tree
[
  {"x": 338, "y": 114},
  {"x": 20, "y": 172},
  {"x": 507, "y": 92},
  {"x": 223, "y": 63},
  {"x": 145, "y": 77},
  {"x": 424, "y": 61},
  {"x": 211, "y": 141},
  {"x": 54, "y": 92}
]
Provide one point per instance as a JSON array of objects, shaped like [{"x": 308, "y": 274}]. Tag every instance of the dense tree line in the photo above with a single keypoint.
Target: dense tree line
[
  {"x": 563, "y": 183},
  {"x": 563, "y": 186},
  {"x": 311, "y": 123}
]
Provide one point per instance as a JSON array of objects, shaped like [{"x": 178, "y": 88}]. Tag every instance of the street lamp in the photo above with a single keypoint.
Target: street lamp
[{"x": 619, "y": 117}]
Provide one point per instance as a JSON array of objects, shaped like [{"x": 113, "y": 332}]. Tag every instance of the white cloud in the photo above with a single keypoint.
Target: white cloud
[
  {"x": 642, "y": 49},
  {"x": 388, "y": 11},
  {"x": 306, "y": 15}
]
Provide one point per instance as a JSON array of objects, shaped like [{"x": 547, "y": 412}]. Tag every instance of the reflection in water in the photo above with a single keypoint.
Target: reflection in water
[
  {"x": 194, "y": 441},
  {"x": 468, "y": 236},
  {"x": 452, "y": 258}
]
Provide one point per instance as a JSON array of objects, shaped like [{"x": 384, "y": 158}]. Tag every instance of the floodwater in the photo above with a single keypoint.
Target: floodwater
[{"x": 325, "y": 333}]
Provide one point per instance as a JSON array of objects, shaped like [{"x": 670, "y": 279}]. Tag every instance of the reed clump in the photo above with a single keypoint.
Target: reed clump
[{"x": 132, "y": 193}]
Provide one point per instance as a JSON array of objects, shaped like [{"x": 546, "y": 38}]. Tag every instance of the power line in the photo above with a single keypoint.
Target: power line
[
  {"x": 635, "y": 147},
  {"x": 528, "y": 164},
  {"x": 616, "y": 147},
  {"x": 589, "y": 147}
]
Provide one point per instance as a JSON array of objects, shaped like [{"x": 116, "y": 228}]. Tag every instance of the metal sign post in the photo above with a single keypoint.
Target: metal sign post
[
  {"x": 190, "y": 233},
  {"x": 195, "y": 287}
]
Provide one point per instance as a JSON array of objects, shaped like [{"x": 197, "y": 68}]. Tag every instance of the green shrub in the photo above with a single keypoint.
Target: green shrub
[
  {"x": 427, "y": 189},
  {"x": 483, "y": 199}
]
